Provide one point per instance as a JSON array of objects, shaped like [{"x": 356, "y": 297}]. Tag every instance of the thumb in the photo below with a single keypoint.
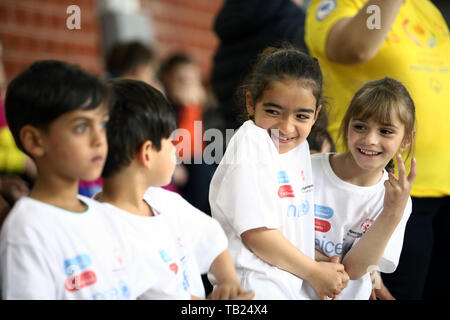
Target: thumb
[{"x": 335, "y": 259}]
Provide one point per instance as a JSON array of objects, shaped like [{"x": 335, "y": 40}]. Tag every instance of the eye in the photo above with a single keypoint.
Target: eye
[
  {"x": 386, "y": 131},
  {"x": 81, "y": 128},
  {"x": 103, "y": 124},
  {"x": 272, "y": 112},
  {"x": 303, "y": 117},
  {"x": 359, "y": 127}
]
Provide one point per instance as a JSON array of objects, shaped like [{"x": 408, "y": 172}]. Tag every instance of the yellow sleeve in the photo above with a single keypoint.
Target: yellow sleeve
[
  {"x": 12, "y": 160},
  {"x": 321, "y": 16}
]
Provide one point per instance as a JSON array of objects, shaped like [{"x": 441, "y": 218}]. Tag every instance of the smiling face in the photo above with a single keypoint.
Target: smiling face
[
  {"x": 373, "y": 144},
  {"x": 74, "y": 145},
  {"x": 287, "y": 110}
]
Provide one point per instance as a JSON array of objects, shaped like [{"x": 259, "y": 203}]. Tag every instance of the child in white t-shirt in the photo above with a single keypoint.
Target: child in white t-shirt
[
  {"x": 176, "y": 241},
  {"x": 262, "y": 190},
  {"x": 55, "y": 244},
  {"x": 361, "y": 209}
]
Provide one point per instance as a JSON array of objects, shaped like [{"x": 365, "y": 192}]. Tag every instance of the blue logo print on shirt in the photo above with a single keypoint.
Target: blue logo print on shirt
[
  {"x": 77, "y": 264},
  {"x": 323, "y": 211},
  {"x": 298, "y": 211},
  {"x": 282, "y": 177}
]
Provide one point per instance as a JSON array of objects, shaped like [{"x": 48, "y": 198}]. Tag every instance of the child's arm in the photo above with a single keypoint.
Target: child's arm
[
  {"x": 370, "y": 248},
  {"x": 320, "y": 257},
  {"x": 271, "y": 246},
  {"x": 228, "y": 286}
]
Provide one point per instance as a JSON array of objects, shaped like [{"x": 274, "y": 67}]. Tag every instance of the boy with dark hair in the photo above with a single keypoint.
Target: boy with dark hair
[
  {"x": 56, "y": 244},
  {"x": 167, "y": 229}
]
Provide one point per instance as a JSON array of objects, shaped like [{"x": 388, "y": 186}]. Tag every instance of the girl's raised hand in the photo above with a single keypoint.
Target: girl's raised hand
[{"x": 398, "y": 189}]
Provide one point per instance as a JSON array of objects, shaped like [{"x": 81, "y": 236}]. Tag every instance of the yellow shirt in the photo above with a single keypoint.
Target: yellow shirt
[
  {"x": 12, "y": 160},
  {"x": 415, "y": 52}
]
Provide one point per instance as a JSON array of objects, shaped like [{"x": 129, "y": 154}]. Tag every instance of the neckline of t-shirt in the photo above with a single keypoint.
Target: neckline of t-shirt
[
  {"x": 347, "y": 185},
  {"x": 130, "y": 215},
  {"x": 75, "y": 213}
]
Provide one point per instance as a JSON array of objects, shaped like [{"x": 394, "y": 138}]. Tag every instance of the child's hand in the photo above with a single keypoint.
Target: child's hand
[
  {"x": 379, "y": 291},
  {"x": 327, "y": 279},
  {"x": 344, "y": 276},
  {"x": 398, "y": 190},
  {"x": 13, "y": 187},
  {"x": 230, "y": 291}
]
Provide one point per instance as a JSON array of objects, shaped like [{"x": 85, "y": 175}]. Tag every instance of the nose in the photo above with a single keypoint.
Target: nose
[
  {"x": 286, "y": 126},
  {"x": 99, "y": 136},
  {"x": 371, "y": 137}
]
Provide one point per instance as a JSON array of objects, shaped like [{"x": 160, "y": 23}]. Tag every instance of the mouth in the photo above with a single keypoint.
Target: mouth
[
  {"x": 98, "y": 160},
  {"x": 368, "y": 153},
  {"x": 283, "y": 139}
]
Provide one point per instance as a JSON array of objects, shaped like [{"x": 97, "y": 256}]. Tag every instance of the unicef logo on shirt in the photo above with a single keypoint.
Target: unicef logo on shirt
[
  {"x": 325, "y": 8},
  {"x": 298, "y": 211}
]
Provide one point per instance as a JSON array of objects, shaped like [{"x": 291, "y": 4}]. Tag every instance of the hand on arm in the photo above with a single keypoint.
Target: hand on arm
[
  {"x": 272, "y": 247},
  {"x": 228, "y": 286},
  {"x": 350, "y": 41},
  {"x": 370, "y": 248},
  {"x": 379, "y": 291}
]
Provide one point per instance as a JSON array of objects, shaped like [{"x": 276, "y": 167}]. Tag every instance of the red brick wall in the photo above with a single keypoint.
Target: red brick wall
[
  {"x": 36, "y": 29},
  {"x": 185, "y": 25}
]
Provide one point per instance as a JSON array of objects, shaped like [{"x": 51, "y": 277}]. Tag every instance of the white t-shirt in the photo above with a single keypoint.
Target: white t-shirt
[
  {"x": 254, "y": 186},
  {"x": 343, "y": 212},
  {"x": 50, "y": 253},
  {"x": 178, "y": 244}
]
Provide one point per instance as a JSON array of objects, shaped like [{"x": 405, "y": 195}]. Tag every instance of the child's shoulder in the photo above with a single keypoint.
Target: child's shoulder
[
  {"x": 26, "y": 215},
  {"x": 320, "y": 159},
  {"x": 159, "y": 193}
]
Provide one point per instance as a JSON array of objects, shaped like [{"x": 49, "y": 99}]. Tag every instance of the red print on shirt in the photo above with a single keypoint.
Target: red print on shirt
[
  {"x": 366, "y": 224},
  {"x": 79, "y": 281},
  {"x": 321, "y": 225},
  {"x": 286, "y": 191}
]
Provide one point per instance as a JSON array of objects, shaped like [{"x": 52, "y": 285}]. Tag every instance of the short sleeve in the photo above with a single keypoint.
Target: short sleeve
[
  {"x": 25, "y": 273},
  {"x": 391, "y": 255},
  {"x": 205, "y": 234},
  {"x": 243, "y": 191},
  {"x": 322, "y": 15},
  {"x": 247, "y": 198}
]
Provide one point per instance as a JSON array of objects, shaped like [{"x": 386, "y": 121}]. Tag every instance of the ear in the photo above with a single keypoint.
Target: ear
[
  {"x": 407, "y": 141},
  {"x": 249, "y": 104},
  {"x": 144, "y": 154},
  {"x": 32, "y": 141}
]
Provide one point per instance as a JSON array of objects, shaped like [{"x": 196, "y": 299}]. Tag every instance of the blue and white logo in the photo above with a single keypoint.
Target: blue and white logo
[
  {"x": 325, "y": 8},
  {"x": 282, "y": 177}
]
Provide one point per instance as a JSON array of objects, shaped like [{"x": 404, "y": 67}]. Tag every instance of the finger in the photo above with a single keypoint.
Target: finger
[
  {"x": 335, "y": 259},
  {"x": 401, "y": 168},
  {"x": 373, "y": 296},
  {"x": 412, "y": 171},
  {"x": 246, "y": 296},
  {"x": 392, "y": 180},
  {"x": 336, "y": 297}
]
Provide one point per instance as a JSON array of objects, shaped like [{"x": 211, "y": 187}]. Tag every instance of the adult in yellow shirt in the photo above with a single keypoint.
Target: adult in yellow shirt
[{"x": 357, "y": 41}]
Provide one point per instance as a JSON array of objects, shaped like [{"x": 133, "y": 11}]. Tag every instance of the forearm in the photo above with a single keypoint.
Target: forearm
[
  {"x": 350, "y": 41},
  {"x": 370, "y": 248},
  {"x": 319, "y": 256},
  {"x": 272, "y": 247},
  {"x": 223, "y": 269}
]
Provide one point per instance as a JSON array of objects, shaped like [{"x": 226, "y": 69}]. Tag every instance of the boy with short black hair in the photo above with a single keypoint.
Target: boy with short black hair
[
  {"x": 55, "y": 244},
  {"x": 169, "y": 231}
]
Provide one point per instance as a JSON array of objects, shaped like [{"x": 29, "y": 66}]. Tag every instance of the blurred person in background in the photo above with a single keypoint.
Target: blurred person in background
[
  {"x": 17, "y": 170},
  {"x": 182, "y": 81}
]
